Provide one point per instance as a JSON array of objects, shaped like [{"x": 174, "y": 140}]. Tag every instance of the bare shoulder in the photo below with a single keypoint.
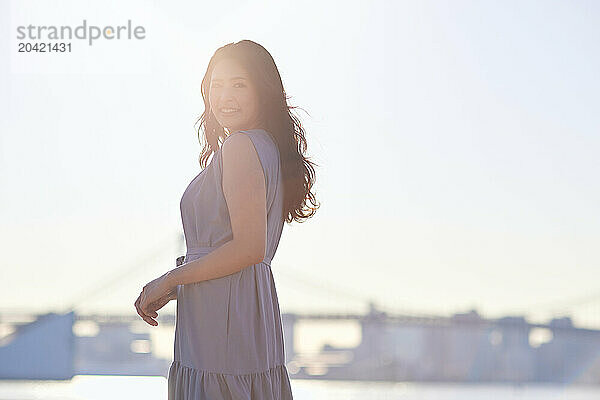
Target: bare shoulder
[
  {"x": 236, "y": 142},
  {"x": 239, "y": 152}
]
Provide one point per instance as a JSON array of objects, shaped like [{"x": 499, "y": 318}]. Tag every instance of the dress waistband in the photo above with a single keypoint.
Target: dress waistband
[{"x": 194, "y": 251}]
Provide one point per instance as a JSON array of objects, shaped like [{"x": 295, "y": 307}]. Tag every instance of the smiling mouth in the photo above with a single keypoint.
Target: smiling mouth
[{"x": 229, "y": 111}]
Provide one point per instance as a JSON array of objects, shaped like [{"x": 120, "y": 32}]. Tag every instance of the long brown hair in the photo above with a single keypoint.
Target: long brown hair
[{"x": 285, "y": 128}]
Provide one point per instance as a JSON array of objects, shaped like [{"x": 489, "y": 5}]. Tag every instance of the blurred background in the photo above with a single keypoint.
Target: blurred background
[{"x": 457, "y": 241}]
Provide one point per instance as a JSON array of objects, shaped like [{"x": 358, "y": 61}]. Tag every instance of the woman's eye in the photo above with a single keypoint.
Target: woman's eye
[{"x": 237, "y": 85}]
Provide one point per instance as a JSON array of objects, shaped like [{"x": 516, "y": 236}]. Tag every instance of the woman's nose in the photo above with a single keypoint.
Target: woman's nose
[{"x": 226, "y": 95}]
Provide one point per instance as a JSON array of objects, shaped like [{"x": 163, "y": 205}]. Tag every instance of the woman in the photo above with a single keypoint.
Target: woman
[{"x": 228, "y": 336}]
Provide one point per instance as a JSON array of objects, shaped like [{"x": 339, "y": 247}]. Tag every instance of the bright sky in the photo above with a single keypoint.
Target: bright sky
[{"x": 457, "y": 142}]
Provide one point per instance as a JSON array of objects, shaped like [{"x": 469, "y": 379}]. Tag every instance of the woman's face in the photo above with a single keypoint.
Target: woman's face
[{"x": 233, "y": 98}]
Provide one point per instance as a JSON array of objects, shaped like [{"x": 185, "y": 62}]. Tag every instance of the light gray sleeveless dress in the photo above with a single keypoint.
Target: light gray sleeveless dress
[{"x": 228, "y": 334}]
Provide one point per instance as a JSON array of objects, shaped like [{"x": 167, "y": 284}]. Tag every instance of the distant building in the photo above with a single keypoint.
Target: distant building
[{"x": 462, "y": 348}]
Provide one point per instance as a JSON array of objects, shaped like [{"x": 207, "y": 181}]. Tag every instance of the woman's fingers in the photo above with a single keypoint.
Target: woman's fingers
[
  {"x": 139, "y": 310},
  {"x": 142, "y": 314},
  {"x": 157, "y": 305},
  {"x": 153, "y": 308},
  {"x": 149, "y": 311}
]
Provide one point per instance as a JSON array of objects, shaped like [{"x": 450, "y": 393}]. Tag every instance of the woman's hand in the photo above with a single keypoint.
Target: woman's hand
[
  {"x": 154, "y": 306},
  {"x": 153, "y": 297}
]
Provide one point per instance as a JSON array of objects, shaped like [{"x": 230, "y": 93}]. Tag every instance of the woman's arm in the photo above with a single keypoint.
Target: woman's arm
[
  {"x": 245, "y": 190},
  {"x": 172, "y": 295}
]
